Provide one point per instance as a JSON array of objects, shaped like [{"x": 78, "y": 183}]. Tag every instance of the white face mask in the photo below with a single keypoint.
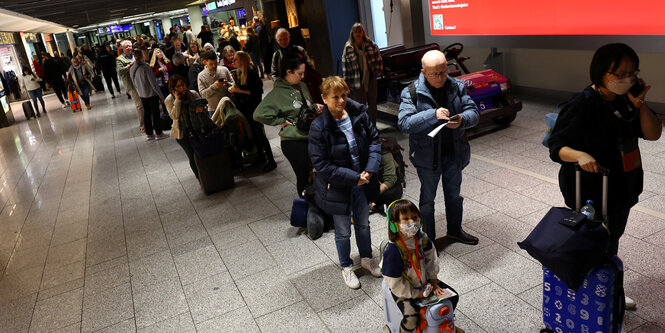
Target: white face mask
[
  {"x": 410, "y": 230},
  {"x": 621, "y": 86}
]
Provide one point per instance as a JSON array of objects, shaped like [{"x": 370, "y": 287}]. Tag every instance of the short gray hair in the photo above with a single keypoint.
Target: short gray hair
[
  {"x": 282, "y": 30},
  {"x": 125, "y": 42}
]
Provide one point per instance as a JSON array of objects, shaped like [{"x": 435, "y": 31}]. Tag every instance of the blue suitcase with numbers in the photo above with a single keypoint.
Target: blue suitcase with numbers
[{"x": 596, "y": 307}]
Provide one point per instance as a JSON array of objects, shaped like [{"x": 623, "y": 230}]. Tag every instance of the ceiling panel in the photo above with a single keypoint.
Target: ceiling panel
[{"x": 74, "y": 13}]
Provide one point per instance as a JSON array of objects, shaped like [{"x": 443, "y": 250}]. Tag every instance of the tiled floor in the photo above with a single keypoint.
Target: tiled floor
[{"x": 101, "y": 231}]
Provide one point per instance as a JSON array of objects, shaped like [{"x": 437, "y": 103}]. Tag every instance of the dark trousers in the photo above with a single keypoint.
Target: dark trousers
[
  {"x": 187, "y": 147},
  {"x": 85, "y": 93},
  {"x": 368, "y": 98},
  {"x": 297, "y": 153},
  {"x": 267, "y": 53},
  {"x": 114, "y": 77},
  {"x": 37, "y": 95},
  {"x": 451, "y": 179},
  {"x": 151, "y": 115},
  {"x": 260, "y": 139},
  {"x": 59, "y": 89},
  {"x": 390, "y": 195},
  {"x": 256, "y": 59},
  {"x": 617, "y": 221}
]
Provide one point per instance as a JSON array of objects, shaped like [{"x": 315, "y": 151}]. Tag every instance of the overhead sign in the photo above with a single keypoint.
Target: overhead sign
[
  {"x": 211, "y": 5},
  {"x": 119, "y": 28},
  {"x": 221, "y": 3},
  {"x": 7, "y": 38},
  {"x": 561, "y": 17}
]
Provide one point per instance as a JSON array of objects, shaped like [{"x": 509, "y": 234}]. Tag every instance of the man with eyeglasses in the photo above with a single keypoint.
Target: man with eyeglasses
[{"x": 432, "y": 100}]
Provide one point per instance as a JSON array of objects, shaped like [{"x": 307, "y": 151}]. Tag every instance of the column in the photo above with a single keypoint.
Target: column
[
  {"x": 153, "y": 33},
  {"x": 195, "y": 18},
  {"x": 70, "y": 39},
  {"x": 166, "y": 24}
]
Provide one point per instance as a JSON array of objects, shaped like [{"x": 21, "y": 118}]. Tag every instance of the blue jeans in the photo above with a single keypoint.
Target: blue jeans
[
  {"x": 451, "y": 179},
  {"x": 360, "y": 210},
  {"x": 85, "y": 93},
  {"x": 34, "y": 95}
]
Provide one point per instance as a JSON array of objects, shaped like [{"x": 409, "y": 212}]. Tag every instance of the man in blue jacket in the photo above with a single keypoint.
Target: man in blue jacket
[{"x": 434, "y": 99}]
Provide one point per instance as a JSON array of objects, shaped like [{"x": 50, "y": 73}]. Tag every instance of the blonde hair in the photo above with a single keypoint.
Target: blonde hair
[
  {"x": 355, "y": 27},
  {"x": 189, "y": 47},
  {"x": 153, "y": 59},
  {"x": 245, "y": 62},
  {"x": 332, "y": 84}
]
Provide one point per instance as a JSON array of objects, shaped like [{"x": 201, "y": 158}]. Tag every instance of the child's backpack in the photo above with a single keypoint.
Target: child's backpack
[{"x": 390, "y": 145}]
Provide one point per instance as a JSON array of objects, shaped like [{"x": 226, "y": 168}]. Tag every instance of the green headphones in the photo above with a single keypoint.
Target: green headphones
[{"x": 392, "y": 226}]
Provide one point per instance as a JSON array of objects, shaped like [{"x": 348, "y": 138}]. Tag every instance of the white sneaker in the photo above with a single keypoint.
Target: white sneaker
[
  {"x": 630, "y": 303},
  {"x": 350, "y": 277},
  {"x": 371, "y": 265}
]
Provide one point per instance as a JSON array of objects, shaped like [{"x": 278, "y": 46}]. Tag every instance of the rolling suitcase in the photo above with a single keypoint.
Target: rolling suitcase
[
  {"x": 215, "y": 172},
  {"x": 212, "y": 161},
  {"x": 598, "y": 304},
  {"x": 28, "y": 110}
]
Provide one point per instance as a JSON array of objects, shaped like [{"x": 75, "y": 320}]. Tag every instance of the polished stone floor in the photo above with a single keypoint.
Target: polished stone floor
[{"x": 101, "y": 231}]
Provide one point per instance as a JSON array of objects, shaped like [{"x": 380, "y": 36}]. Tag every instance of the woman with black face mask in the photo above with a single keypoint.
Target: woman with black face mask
[{"x": 601, "y": 127}]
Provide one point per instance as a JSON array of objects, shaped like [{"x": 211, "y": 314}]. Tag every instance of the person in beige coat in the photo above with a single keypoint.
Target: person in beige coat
[
  {"x": 185, "y": 121},
  {"x": 122, "y": 65}
]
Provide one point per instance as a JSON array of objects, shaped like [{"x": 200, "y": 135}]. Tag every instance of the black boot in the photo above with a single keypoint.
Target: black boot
[
  {"x": 270, "y": 165},
  {"x": 463, "y": 237}
]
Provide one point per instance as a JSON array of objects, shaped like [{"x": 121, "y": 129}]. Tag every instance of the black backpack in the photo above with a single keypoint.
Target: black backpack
[{"x": 390, "y": 145}]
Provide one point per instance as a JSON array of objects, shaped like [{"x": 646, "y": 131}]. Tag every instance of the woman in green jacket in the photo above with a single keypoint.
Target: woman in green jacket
[{"x": 281, "y": 108}]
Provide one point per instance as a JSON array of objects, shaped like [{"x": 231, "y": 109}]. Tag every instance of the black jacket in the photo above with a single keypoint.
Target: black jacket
[
  {"x": 248, "y": 103},
  {"x": 53, "y": 71},
  {"x": 193, "y": 76},
  {"x": 330, "y": 155},
  {"x": 588, "y": 124},
  {"x": 107, "y": 62}
]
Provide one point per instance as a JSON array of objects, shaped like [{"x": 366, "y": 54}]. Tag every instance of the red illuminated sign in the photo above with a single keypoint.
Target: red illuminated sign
[{"x": 547, "y": 17}]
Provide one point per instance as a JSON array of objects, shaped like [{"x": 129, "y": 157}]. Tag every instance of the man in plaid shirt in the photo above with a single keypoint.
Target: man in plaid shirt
[{"x": 362, "y": 64}]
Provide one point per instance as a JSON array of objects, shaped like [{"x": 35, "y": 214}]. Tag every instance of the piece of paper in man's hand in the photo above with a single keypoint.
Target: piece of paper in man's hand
[{"x": 436, "y": 131}]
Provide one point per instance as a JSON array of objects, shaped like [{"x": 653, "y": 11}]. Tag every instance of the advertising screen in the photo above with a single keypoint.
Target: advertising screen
[{"x": 536, "y": 17}]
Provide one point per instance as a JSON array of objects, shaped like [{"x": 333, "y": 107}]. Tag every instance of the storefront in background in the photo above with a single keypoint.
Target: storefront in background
[
  {"x": 49, "y": 41},
  {"x": 12, "y": 60},
  {"x": 320, "y": 26}
]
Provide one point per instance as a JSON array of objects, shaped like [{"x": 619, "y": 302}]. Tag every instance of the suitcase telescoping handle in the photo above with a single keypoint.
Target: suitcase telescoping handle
[{"x": 578, "y": 190}]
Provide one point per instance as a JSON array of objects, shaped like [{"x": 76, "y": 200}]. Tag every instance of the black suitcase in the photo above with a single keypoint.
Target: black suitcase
[
  {"x": 97, "y": 82},
  {"x": 28, "y": 110},
  {"x": 215, "y": 172}
]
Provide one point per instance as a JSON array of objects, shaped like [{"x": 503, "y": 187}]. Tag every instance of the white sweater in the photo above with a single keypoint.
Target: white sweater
[
  {"x": 29, "y": 84},
  {"x": 213, "y": 95}
]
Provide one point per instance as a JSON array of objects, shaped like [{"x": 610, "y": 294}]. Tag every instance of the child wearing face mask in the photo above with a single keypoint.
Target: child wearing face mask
[{"x": 410, "y": 263}]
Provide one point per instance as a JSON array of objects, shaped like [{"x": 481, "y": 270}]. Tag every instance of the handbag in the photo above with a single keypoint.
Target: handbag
[
  {"x": 568, "y": 243},
  {"x": 305, "y": 116}
]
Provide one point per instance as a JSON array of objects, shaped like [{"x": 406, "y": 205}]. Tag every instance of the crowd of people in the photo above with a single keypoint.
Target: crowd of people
[{"x": 342, "y": 145}]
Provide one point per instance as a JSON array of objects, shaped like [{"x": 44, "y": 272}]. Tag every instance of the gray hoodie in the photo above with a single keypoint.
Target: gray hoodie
[{"x": 145, "y": 81}]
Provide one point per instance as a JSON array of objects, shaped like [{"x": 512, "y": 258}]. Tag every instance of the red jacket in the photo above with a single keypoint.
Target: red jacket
[
  {"x": 39, "y": 69},
  {"x": 158, "y": 73}
]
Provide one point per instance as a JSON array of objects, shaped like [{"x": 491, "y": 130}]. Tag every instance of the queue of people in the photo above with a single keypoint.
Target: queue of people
[{"x": 339, "y": 153}]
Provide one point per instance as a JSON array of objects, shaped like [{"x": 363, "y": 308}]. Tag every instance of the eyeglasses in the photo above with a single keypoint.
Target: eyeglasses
[
  {"x": 434, "y": 75},
  {"x": 625, "y": 75}
]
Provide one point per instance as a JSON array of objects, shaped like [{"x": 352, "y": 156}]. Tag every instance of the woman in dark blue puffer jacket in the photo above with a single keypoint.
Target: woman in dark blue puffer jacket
[{"x": 345, "y": 150}]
